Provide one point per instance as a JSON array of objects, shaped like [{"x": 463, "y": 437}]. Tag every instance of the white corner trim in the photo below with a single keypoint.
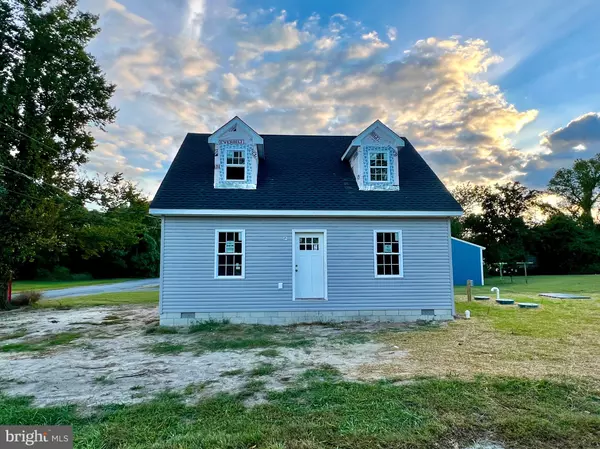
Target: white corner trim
[
  {"x": 468, "y": 243},
  {"x": 451, "y": 266},
  {"x": 346, "y": 153},
  {"x": 481, "y": 257},
  {"x": 304, "y": 213},
  {"x": 161, "y": 289}
]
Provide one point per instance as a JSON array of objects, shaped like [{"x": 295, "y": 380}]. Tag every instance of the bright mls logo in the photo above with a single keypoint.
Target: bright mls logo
[{"x": 47, "y": 437}]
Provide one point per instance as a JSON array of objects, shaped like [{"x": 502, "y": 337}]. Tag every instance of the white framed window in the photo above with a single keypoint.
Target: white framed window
[
  {"x": 230, "y": 254},
  {"x": 235, "y": 165},
  {"x": 379, "y": 166},
  {"x": 388, "y": 253}
]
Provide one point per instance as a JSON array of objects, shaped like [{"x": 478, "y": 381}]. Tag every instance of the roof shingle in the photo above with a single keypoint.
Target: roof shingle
[{"x": 299, "y": 173}]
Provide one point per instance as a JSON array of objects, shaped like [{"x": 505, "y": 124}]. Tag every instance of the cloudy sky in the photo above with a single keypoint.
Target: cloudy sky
[{"x": 486, "y": 92}]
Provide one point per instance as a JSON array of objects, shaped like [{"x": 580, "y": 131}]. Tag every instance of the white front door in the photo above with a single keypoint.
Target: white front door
[{"x": 310, "y": 265}]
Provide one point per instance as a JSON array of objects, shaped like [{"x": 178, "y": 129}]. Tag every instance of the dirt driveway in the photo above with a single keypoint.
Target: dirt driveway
[{"x": 104, "y": 355}]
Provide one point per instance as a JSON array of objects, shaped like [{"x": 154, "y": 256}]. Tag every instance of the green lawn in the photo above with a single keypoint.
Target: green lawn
[
  {"x": 589, "y": 283},
  {"x": 560, "y": 338},
  {"x": 523, "y": 378},
  {"x": 555, "y": 318},
  {"x": 322, "y": 411},
  {"x": 19, "y": 286},
  {"x": 103, "y": 299}
]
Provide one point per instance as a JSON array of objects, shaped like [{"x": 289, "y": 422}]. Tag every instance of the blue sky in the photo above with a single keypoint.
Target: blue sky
[{"x": 486, "y": 91}]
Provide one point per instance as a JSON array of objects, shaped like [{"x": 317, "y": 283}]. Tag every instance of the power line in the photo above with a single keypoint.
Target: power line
[
  {"x": 22, "y": 194},
  {"x": 28, "y": 136},
  {"x": 32, "y": 179},
  {"x": 117, "y": 210}
]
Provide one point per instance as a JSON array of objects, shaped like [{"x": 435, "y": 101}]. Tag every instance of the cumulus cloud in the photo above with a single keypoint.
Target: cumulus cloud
[
  {"x": 326, "y": 43},
  {"x": 578, "y": 135},
  {"x": 141, "y": 154},
  {"x": 277, "y": 36},
  {"x": 323, "y": 75},
  {"x": 392, "y": 33},
  {"x": 578, "y": 139},
  {"x": 367, "y": 49}
]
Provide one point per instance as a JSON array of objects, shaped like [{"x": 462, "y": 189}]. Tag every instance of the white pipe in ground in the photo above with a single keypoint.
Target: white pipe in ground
[{"x": 497, "y": 290}]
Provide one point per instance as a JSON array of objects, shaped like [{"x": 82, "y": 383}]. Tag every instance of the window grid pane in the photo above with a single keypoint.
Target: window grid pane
[
  {"x": 309, "y": 243},
  {"x": 387, "y": 249},
  {"x": 235, "y": 157},
  {"x": 378, "y": 167},
  {"x": 235, "y": 167},
  {"x": 229, "y": 254}
]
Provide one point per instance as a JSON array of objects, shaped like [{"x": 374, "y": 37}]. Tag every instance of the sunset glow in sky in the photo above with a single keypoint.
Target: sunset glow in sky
[{"x": 486, "y": 92}]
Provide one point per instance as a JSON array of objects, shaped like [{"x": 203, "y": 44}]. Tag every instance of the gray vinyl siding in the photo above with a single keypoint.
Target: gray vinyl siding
[{"x": 188, "y": 281}]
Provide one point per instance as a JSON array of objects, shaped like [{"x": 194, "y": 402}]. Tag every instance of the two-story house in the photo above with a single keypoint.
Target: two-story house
[{"x": 280, "y": 229}]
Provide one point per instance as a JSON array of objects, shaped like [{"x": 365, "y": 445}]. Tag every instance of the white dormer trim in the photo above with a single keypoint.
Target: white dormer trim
[
  {"x": 362, "y": 156},
  {"x": 358, "y": 140},
  {"x": 235, "y": 121},
  {"x": 236, "y": 138}
]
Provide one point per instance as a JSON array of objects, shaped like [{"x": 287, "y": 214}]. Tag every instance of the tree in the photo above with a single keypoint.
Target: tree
[
  {"x": 563, "y": 246},
  {"x": 121, "y": 238},
  {"x": 579, "y": 186},
  {"x": 500, "y": 226},
  {"x": 469, "y": 196},
  {"x": 51, "y": 91}
]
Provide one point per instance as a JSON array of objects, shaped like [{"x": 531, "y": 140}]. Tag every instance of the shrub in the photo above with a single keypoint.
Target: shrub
[
  {"x": 82, "y": 277},
  {"x": 26, "y": 298},
  {"x": 61, "y": 273},
  {"x": 43, "y": 274}
]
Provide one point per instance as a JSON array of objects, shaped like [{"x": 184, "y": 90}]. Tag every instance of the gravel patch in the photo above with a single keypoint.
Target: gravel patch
[{"x": 109, "y": 362}]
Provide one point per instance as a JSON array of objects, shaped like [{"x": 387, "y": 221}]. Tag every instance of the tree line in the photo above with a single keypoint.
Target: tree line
[
  {"x": 55, "y": 223},
  {"x": 519, "y": 224}
]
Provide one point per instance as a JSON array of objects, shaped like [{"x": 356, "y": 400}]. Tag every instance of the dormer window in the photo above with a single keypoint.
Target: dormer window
[
  {"x": 236, "y": 165},
  {"x": 378, "y": 166},
  {"x": 237, "y": 149},
  {"x": 373, "y": 157}
]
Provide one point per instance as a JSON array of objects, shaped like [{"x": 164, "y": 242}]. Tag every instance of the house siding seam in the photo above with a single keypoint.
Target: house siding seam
[{"x": 188, "y": 283}]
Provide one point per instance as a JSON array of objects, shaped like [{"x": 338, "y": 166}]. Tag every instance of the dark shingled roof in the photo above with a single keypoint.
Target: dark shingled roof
[{"x": 299, "y": 173}]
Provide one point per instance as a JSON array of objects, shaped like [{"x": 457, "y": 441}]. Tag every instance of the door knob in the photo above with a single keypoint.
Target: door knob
[{"x": 296, "y": 267}]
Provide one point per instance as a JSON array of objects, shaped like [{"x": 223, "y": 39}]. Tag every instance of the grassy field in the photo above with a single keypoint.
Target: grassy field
[
  {"x": 19, "y": 286},
  {"x": 522, "y": 378},
  {"x": 102, "y": 299},
  {"x": 588, "y": 283},
  {"x": 322, "y": 411},
  {"x": 561, "y": 338}
]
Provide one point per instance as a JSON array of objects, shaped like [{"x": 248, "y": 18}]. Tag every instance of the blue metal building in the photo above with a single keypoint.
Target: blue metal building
[{"x": 467, "y": 262}]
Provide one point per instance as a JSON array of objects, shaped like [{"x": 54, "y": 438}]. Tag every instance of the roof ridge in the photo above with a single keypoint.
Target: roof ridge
[{"x": 288, "y": 135}]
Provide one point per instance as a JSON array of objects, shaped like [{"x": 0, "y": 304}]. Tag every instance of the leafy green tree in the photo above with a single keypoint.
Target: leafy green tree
[
  {"x": 579, "y": 186},
  {"x": 469, "y": 196},
  {"x": 51, "y": 91},
  {"x": 563, "y": 246},
  {"x": 121, "y": 239},
  {"x": 500, "y": 225}
]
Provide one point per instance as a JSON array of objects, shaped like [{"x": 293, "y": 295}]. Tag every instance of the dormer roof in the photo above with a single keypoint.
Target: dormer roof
[
  {"x": 376, "y": 132},
  {"x": 237, "y": 124}
]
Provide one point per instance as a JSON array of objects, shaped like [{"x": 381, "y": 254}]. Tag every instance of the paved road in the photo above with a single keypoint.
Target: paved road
[{"x": 127, "y": 286}]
